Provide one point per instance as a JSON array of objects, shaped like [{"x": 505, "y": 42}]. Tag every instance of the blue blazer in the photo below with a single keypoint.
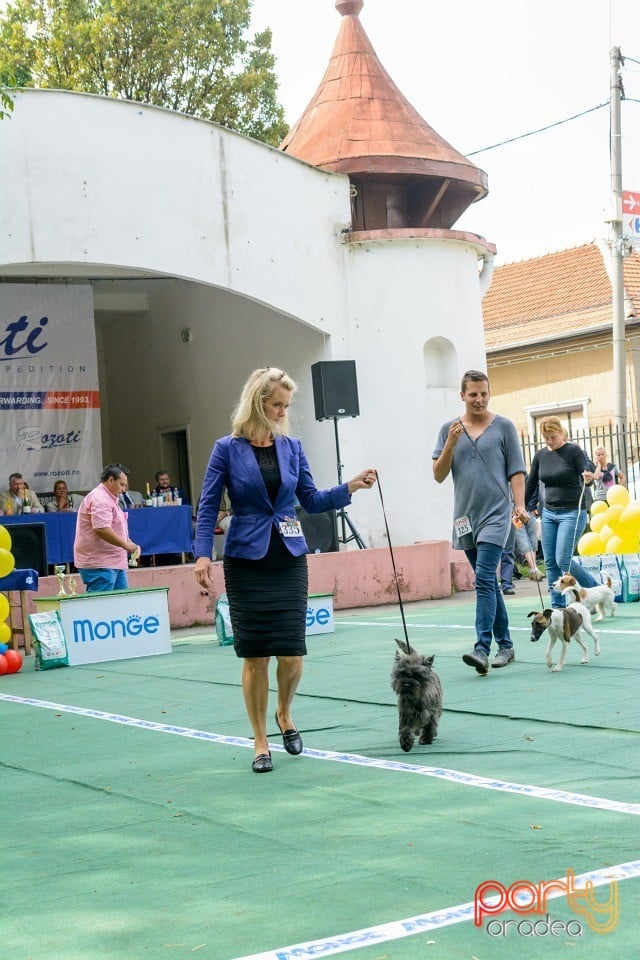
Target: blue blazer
[{"x": 233, "y": 464}]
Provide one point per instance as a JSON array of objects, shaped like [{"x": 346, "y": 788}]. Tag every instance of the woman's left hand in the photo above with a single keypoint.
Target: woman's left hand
[{"x": 363, "y": 480}]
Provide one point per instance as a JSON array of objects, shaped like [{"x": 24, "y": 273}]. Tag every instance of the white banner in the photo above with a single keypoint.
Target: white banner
[
  {"x": 116, "y": 626},
  {"x": 49, "y": 400}
]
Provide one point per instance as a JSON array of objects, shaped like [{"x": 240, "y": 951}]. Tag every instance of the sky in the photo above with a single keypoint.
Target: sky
[{"x": 480, "y": 74}]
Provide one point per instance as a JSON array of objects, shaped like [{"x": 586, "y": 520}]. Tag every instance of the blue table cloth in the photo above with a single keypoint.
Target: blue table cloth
[
  {"x": 156, "y": 529},
  {"x": 19, "y": 580}
]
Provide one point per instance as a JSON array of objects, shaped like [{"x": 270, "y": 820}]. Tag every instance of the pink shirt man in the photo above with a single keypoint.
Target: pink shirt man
[
  {"x": 99, "y": 510},
  {"x": 102, "y": 536}
]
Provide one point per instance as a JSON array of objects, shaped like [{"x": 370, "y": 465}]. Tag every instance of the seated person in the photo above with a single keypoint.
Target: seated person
[
  {"x": 163, "y": 487},
  {"x": 62, "y": 500},
  {"x": 19, "y": 498},
  {"x": 130, "y": 499}
]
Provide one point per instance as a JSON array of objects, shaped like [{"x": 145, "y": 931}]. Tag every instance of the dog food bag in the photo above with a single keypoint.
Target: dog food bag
[
  {"x": 223, "y": 621},
  {"x": 610, "y": 567},
  {"x": 49, "y": 641},
  {"x": 630, "y": 577},
  {"x": 591, "y": 565}
]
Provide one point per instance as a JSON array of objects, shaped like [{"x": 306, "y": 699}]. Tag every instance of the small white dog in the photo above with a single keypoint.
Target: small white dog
[
  {"x": 564, "y": 625},
  {"x": 600, "y": 598}
]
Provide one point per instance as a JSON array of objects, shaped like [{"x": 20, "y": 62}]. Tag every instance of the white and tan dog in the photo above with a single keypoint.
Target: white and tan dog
[
  {"x": 600, "y": 598},
  {"x": 564, "y": 625}
]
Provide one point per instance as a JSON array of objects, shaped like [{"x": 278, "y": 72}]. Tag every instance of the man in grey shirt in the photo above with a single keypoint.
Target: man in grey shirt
[{"x": 481, "y": 451}]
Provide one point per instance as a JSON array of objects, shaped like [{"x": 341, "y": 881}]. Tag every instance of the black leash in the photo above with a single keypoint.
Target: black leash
[{"x": 393, "y": 563}]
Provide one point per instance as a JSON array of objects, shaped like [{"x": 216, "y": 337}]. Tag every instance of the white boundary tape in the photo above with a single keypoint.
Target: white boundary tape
[
  {"x": 354, "y": 759},
  {"x": 398, "y": 929},
  {"x": 459, "y": 626}
]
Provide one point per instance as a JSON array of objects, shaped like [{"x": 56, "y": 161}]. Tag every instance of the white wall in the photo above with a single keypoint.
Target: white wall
[
  {"x": 90, "y": 180},
  {"x": 253, "y": 241}
]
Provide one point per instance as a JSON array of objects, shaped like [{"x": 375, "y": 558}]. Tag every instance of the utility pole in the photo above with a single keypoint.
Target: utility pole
[{"x": 617, "y": 249}]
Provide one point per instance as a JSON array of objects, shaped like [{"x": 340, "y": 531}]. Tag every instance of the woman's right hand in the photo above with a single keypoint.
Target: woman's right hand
[{"x": 203, "y": 572}]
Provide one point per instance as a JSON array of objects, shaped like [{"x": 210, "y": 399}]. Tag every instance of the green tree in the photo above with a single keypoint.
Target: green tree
[{"x": 195, "y": 56}]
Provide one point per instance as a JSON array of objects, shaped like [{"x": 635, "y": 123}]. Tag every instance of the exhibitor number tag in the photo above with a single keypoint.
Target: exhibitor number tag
[
  {"x": 463, "y": 526},
  {"x": 290, "y": 527}
]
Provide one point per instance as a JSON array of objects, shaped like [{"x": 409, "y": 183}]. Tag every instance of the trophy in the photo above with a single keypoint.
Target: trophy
[
  {"x": 72, "y": 586},
  {"x": 60, "y": 572}
]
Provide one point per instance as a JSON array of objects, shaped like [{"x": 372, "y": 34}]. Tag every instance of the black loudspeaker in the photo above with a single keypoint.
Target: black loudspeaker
[
  {"x": 29, "y": 546},
  {"x": 335, "y": 389},
  {"x": 320, "y": 530}
]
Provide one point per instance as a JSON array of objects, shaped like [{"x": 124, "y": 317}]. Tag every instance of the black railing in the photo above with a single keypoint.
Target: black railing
[{"x": 622, "y": 446}]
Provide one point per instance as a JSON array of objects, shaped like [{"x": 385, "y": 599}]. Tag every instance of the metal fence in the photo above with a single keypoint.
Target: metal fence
[{"x": 622, "y": 446}]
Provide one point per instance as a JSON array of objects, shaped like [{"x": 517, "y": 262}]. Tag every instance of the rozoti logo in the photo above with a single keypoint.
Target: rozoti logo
[
  {"x": 133, "y": 626},
  {"x": 32, "y": 438},
  {"x": 18, "y": 343},
  {"x": 524, "y": 897}
]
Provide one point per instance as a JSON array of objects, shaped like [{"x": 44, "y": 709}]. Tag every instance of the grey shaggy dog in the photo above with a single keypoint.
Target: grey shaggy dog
[{"x": 419, "y": 693}]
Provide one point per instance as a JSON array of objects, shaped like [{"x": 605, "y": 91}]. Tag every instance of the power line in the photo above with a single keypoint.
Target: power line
[{"x": 531, "y": 133}]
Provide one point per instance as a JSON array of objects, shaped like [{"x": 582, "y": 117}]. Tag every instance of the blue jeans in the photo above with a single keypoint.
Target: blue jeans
[
  {"x": 561, "y": 530},
  {"x": 508, "y": 560},
  {"x": 491, "y": 612},
  {"x": 104, "y": 580}
]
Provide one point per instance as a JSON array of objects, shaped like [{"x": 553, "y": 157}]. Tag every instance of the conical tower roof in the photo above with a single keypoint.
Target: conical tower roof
[{"x": 359, "y": 122}]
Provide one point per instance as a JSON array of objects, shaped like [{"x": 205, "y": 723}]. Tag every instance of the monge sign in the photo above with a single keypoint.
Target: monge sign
[
  {"x": 116, "y": 626},
  {"x": 320, "y": 614}
]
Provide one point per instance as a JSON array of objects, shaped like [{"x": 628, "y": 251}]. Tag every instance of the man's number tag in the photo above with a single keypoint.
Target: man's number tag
[
  {"x": 290, "y": 528},
  {"x": 463, "y": 527}
]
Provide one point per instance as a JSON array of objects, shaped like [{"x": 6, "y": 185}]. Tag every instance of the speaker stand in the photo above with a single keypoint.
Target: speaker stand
[{"x": 341, "y": 514}]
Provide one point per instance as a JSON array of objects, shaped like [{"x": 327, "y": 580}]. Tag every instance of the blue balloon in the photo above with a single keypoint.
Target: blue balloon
[{"x": 3, "y": 648}]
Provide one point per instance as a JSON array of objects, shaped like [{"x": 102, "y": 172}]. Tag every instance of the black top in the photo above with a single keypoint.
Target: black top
[
  {"x": 561, "y": 472},
  {"x": 268, "y": 463}
]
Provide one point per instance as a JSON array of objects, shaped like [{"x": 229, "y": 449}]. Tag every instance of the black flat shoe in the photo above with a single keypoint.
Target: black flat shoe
[
  {"x": 262, "y": 763},
  {"x": 291, "y": 739}
]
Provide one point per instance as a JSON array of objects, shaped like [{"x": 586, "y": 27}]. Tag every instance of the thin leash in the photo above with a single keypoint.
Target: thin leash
[
  {"x": 393, "y": 563},
  {"x": 504, "y": 494}
]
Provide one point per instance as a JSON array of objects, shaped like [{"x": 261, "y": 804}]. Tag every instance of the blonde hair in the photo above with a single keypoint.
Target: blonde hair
[
  {"x": 552, "y": 425},
  {"x": 249, "y": 419}
]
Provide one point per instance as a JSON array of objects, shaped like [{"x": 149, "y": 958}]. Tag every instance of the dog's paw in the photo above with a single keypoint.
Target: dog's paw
[
  {"x": 556, "y": 669},
  {"x": 549, "y": 663},
  {"x": 585, "y": 660}
]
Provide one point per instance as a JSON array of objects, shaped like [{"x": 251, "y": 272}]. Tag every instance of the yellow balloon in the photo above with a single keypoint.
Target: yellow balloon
[
  {"x": 618, "y": 494},
  {"x": 630, "y": 545},
  {"x": 612, "y": 515},
  {"x": 5, "y": 633},
  {"x": 590, "y": 545},
  {"x": 606, "y": 532},
  {"x": 615, "y": 544},
  {"x": 597, "y": 523},
  {"x": 4, "y": 607},
  {"x": 5, "y": 539},
  {"x": 630, "y": 516},
  {"x": 7, "y": 562},
  {"x": 598, "y": 506}
]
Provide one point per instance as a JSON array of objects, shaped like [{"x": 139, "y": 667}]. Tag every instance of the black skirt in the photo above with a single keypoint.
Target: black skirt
[{"x": 268, "y": 602}]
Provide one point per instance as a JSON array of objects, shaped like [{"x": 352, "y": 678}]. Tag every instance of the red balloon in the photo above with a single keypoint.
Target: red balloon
[
  {"x": 14, "y": 661},
  {"x": 4, "y": 666}
]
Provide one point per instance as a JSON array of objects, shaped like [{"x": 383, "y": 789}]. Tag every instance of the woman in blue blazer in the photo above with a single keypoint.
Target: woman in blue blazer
[{"x": 265, "y": 563}]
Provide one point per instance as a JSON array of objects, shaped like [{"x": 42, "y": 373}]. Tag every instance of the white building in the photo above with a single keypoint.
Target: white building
[{"x": 209, "y": 254}]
